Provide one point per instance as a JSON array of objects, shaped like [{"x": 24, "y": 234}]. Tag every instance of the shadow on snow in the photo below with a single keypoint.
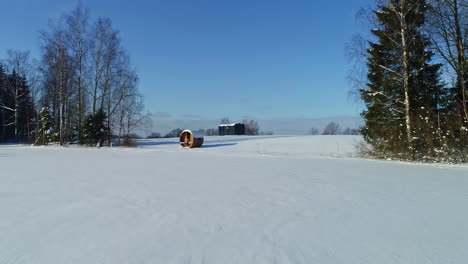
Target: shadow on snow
[{"x": 218, "y": 145}]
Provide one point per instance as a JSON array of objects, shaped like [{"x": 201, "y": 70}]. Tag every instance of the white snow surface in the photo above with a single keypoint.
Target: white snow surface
[{"x": 236, "y": 200}]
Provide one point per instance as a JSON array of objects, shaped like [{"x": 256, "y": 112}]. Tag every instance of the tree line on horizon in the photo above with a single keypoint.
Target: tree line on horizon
[
  {"x": 83, "y": 89},
  {"x": 252, "y": 128},
  {"x": 333, "y": 128},
  {"x": 414, "y": 81}
]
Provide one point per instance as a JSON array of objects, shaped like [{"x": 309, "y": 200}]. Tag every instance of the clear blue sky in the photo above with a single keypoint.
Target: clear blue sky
[{"x": 261, "y": 58}]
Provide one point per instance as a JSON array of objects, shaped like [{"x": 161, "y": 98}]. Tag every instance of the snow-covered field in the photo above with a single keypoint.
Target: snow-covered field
[{"x": 237, "y": 200}]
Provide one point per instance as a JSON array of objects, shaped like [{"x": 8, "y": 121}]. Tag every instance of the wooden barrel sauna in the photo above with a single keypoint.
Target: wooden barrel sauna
[{"x": 189, "y": 139}]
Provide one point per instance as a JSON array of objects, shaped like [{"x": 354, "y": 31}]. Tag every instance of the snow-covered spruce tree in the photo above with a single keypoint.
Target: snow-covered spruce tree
[
  {"x": 44, "y": 135},
  {"x": 451, "y": 129},
  {"x": 403, "y": 88},
  {"x": 95, "y": 129}
]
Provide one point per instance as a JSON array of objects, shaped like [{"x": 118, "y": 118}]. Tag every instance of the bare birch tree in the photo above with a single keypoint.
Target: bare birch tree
[
  {"x": 58, "y": 71},
  {"x": 86, "y": 70},
  {"x": 448, "y": 28},
  {"x": 77, "y": 41}
]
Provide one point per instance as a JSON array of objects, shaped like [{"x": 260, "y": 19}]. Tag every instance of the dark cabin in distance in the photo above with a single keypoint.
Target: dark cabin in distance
[{"x": 232, "y": 129}]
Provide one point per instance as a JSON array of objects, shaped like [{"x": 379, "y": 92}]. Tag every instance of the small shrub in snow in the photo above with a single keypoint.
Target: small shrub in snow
[{"x": 129, "y": 142}]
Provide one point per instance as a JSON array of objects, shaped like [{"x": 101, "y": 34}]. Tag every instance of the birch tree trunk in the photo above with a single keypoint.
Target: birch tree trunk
[
  {"x": 406, "y": 72},
  {"x": 462, "y": 63}
]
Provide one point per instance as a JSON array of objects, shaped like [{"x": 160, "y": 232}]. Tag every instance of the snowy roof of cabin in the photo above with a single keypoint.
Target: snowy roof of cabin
[
  {"x": 225, "y": 125},
  {"x": 196, "y": 134}
]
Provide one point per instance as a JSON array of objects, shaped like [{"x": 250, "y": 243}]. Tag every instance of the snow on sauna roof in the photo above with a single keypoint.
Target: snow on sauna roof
[
  {"x": 196, "y": 134},
  {"x": 224, "y": 125}
]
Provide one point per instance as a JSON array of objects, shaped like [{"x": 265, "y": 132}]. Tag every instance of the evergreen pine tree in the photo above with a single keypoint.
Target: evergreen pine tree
[
  {"x": 7, "y": 107},
  {"x": 27, "y": 112},
  {"x": 403, "y": 91},
  {"x": 3, "y": 93},
  {"x": 95, "y": 130},
  {"x": 22, "y": 107},
  {"x": 45, "y": 133}
]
